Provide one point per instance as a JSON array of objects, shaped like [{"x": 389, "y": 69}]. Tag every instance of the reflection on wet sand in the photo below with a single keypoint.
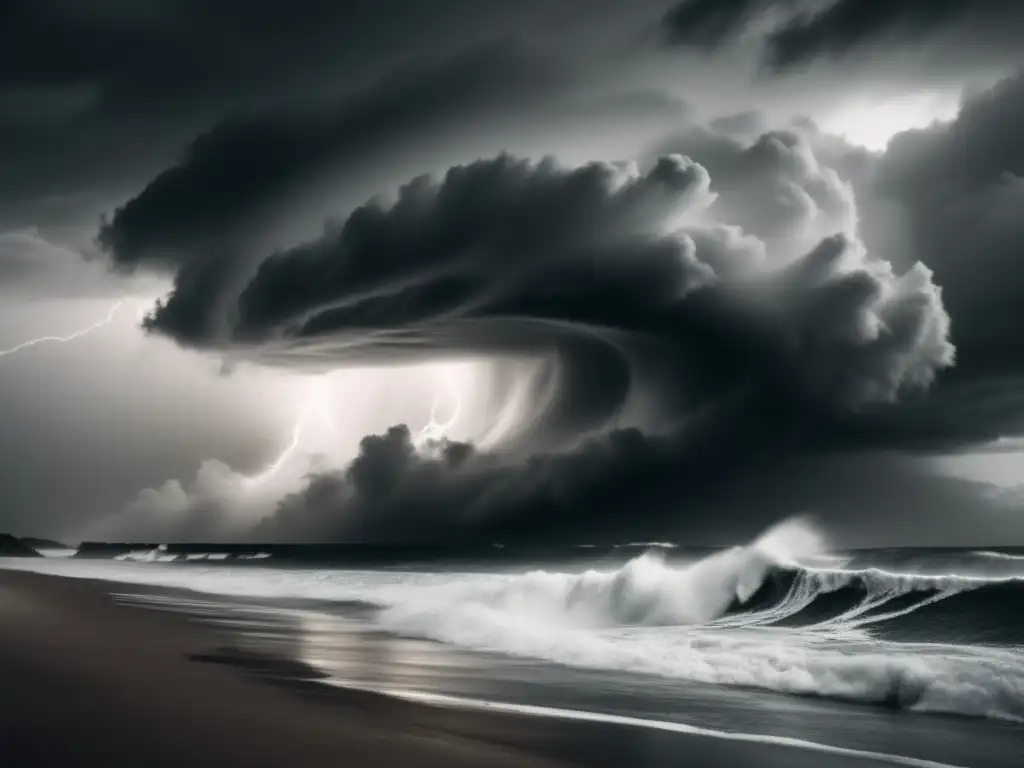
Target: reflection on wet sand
[{"x": 304, "y": 648}]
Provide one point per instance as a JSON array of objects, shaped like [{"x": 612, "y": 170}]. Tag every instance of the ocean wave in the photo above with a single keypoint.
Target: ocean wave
[
  {"x": 774, "y": 615},
  {"x": 894, "y": 606},
  {"x": 997, "y": 555},
  {"x": 748, "y": 617},
  {"x": 160, "y": 554},
  {"x": 154, "y": 555},
  {"x": 826, "y": 661}
]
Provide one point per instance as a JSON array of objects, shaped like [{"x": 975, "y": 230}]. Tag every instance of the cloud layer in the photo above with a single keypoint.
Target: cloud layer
[
  {"x": 632, "y": 278},
  {"x": 705, "y": 310},
  {"x": 961, "y": 187},
  {"x": 747, "y": 297},
  {"x": 246, "y": 165},
  {"x": 796, "y": 33},
  {"x": 509, "y": 256}
]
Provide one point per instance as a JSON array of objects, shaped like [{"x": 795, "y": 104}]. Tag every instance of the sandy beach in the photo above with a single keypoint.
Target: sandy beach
[{"x": 89, "y": 681}]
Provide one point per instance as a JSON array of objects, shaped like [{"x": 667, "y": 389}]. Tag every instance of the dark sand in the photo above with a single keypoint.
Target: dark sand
[{"x": 85, "y": 681}]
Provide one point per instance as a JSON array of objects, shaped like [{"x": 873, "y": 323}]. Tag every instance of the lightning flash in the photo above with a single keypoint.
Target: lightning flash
[
  {"x": 64, "y": 339},
  {"x": 315, "y": 411},
  {"x": 434, "y": 430}
]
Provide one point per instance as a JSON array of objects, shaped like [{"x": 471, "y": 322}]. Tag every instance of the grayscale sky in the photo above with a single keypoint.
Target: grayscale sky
[{"x": 477, "y": 270}]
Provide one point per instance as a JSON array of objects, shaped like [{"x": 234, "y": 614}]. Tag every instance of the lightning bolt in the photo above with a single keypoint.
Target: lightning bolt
[
  {"x": 316, "y": 410},
  {"x": 434, "y": 430},
  {"x": 315, "y": 406},
  {"x": 64, "y": 339}
]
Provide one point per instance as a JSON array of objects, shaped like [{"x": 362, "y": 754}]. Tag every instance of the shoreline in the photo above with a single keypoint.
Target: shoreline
[
  {"x": 88, "y": 681},
  {"x": 104, "y": 663},
  {"x": 878, "y": 758}
]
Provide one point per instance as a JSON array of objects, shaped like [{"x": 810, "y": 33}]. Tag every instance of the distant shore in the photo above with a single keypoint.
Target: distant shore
[{"x": 88, "y": 681}]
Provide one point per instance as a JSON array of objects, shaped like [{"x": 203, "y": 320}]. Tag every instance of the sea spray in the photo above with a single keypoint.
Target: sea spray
[{"x": 646, "y": 591}]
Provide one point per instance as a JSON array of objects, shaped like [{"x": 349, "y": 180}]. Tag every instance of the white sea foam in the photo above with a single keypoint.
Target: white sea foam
[
  {"x": 651, "y": 617},
  {"x": 618, "y": 623},
  {"x": 997, "y": 555},
  {"x": 156, "y": 555}
]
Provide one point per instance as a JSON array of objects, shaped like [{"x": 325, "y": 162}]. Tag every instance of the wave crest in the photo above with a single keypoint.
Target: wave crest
[{"x": 751, "y": 617}]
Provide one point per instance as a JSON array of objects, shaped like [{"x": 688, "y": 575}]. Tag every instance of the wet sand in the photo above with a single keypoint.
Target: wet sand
[{"x": 86, "y": 680}]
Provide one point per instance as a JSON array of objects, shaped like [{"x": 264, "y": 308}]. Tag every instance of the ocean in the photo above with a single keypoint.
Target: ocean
[{"x": 914, "y": 656}]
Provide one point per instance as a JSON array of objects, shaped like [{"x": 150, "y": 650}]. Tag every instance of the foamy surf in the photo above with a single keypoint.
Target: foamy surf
[
  {"x": 621, "y": 622},
  {"x": 997, "y": 555},
  {"x": 779, "y": 614}
]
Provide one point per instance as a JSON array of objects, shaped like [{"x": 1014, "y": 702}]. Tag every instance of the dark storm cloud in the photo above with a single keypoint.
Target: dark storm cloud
[
  {"x": 797, "y": 32},
  {"x": 843, "y": 26},
  {"x": 608, "y": 487},
  {"x": 98, "y": 96},
  {"x": 728, "y": 289},
  {"x": 709, "y": 23},
  {"x": 508, "y": 255},
  {"x": 739, "y": 465},
  {"x": 612, "y": 485},
  {"x": 628, "y": 485},
  {"x": 961, "y": 187},
  {"x": 229, "y": 175},
  {"x": 139, "y": 53},
  {"x": 95, "y": 94},
  {"x": 967, "y": 409},
  {"x": 602, "y": 263},
  {"x": 499, "y": 257},
  {"x": 704, "y": 485},
  {"x": 948, "y": 196},
  {"x": 942, "y": 196},
  {"x": 788, "y": 354},
  {"x": 474, "y": 242}
]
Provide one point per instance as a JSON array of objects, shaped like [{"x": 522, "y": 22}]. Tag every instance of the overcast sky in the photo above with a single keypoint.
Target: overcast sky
[{"x": 469, "y": 269}]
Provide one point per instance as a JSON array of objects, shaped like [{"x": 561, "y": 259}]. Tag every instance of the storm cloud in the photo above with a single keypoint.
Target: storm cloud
[
  {"x": 609, "y": 267},
  {"x": 701, "y": 484},
  {"x": 839, "y": 28},
  {"x": 773, "y": 186},
  {"x": 709, "y": 24},
  {"x": 796, "y": 33},
  {"x": 244, "y": 166},
  {"x": 510, "y": 256},
  {"x": 655, "y": 284},
  {"x": 98, "y": 97},
  {"x": 961, "y": 186}
]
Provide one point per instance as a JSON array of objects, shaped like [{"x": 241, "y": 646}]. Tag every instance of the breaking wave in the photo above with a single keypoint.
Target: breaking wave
[
  {"x": 750, "y": 617},
  {"x": 998, "y": 555},
  {"x": 780, "y": 614},
  {"x": 150, "y": 555}
]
